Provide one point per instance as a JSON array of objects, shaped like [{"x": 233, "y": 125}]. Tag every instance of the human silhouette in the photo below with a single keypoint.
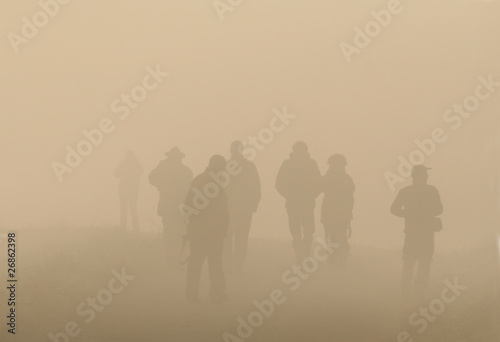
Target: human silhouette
[
  {"x": 129, "y": 172},
  {"x": 206, "y": 231},
  {"x": 337, "y": 206},
  {"x": 420, "y": 205},
  {"x": 244, "y": 193},
  {"x": 298, "y": 181},
  {"x": 172, "y": 179}
]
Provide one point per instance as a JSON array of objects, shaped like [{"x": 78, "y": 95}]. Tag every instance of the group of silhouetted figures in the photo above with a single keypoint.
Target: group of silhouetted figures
[{"x": 213, "y": 211}]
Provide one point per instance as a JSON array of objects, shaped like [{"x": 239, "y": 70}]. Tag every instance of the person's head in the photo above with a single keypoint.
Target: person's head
[
  {"x": 419, "y": 174},
  {"x": 236, "y": 148},
  {"x": 217, "y": 163},
  {"x": 175, "y": 154},
  {"x": 337, "y": 161},
  {"x": 299, "y": 147},
  {"x": 130, "y": 155}
]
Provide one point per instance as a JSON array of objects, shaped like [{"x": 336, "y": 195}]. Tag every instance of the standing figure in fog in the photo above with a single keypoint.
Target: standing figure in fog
[
  {"x": 420, "y": 205},
  {"x": 172, "y": 178},
  {"x": 299, "y": 182},
  {"x": 243, "y": 193},
  {"x": 336, "y": 209},
  {"x": 129, "y": 172},
  {"x": 206, "y": 231}
]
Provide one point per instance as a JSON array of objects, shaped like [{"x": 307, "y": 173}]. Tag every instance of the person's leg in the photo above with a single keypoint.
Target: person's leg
[
  {"x": 344, "y": 247},
  {"x": 228, "y": 248},
  {"x": 406, "y": 281},
  {"x": 423, "y": 275},
  {"x": 409, "y": 260},
  {"x": 172, "y": 231},
  {"x": 194, "y": 266},
  {"x": 164, "y": 223},
  {"x": 307, "y": 223},
  {"x": 171, "y": 240},
  {"x": 133, "y": 214},
  {"x": 424, "y": 265},
  {"x": 295, "y": 231},
  {"x": 177, "y": 225},
  {"x": 241, "y": 233},
  {"x": 215, "y": 269},
  {"x": 328, "y": 226},
  {"x": 123, "y": 212},
  {"x": 339, "y": 236},
  {"x": 168, "y": 230}
]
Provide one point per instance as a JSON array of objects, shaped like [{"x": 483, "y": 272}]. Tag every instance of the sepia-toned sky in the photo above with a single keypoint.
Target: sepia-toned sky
[{"x": 226, "y": 77}]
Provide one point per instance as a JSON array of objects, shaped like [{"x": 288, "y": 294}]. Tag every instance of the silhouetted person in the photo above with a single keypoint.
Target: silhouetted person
[
  {"x": 206, "y": 231},
  {"x": 129, "y": 172},
  {"x": 244, "y": 195},
  {"x": 172, "y": 179},
  {"x": 336, "y": 209},
  {"x": 298, "y": 182},
  {"x": 419, "y": 204}
]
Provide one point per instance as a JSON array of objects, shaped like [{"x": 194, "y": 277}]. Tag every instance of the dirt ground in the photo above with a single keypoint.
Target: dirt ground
[{"x": 57, "y": 272}]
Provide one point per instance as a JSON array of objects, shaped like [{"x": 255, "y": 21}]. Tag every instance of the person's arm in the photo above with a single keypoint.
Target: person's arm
[
  {"x": 184, "y": 185},
  {"x": 352, "y": 188},
  {"x": 397, "y": 207},
  {"x": 187, "y": 213},
  {"x": 322, "y": 184},
  {"x": 224, "y": 213},
  {"x": 188, "y": 200},
  {"x": 154, "y": 176},
  {"x": 317, "y": 180},
  {"x": 257, "y": 187},
  {"x": 436, "y": 206}
]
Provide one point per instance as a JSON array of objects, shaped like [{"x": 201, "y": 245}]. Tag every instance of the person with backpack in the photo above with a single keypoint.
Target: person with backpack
[{"x": 172, "y": 179}]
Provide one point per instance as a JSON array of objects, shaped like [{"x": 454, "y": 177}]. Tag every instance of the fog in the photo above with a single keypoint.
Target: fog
[{"x": 226, "y": 80}]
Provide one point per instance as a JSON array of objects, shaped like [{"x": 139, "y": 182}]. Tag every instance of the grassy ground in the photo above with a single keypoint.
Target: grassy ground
[{"x": 61, "y": 269}]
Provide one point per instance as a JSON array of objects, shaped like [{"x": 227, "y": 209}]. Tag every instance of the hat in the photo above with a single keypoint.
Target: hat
[
  {"x": 217, "y": 163},
  {"x": 419, "y": 170},
  {"x": 237, "y": 147},
  {"x": 299, "y": 146},
  {"x": 175, "y": 153}
]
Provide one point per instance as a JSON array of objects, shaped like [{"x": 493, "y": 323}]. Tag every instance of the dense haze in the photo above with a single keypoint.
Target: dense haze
[{"x": 225, "y": 79}]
